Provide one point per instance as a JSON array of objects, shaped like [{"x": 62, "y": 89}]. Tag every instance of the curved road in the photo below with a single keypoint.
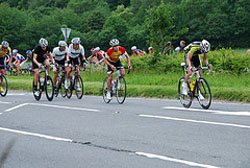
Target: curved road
[{"x": 141, "y": 133}]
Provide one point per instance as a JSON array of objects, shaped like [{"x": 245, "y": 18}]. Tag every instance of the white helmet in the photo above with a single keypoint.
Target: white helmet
[
  {"x": 15, "y": 51},
  {"x": 97, "y": 49},
  {"x": 62, "y": 44},
  {"x": 76, "y": 40},
  {"x": 43, "y": 42},
  {"x": 114, "y": 42},
  {"x": 5, "y": 44},
  {"x": 133, "y": 48},
  {"x": 205, "y": 46},
  {"x": 150, "y": 48}
]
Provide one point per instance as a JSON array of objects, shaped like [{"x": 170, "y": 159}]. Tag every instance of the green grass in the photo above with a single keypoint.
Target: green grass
[
  {"x": 151, "y": 78},
  {"x": 162, "y": 85}
]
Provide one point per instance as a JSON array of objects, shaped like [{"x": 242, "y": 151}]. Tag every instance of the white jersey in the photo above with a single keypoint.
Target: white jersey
[
  {"x": 75, "y": 53},
  {"x": 60, "y": 55},
  {"x": 19, "y": 57}
]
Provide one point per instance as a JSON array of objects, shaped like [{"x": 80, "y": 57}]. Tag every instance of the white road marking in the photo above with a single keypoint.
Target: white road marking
[
  {"x": 1, "y": 113},
  {"x": 148, "y": 155},
  {"x": 196, "y": 121},
  {"x": 64, "y": 107},
  {"x": 237, "y": 113},
  {"x": 53, "y": 106},
  {"x": 1, "y": 102},
  {"x": 35, "y": 135},
  {"x": 16, "y": 94},
  {"x": 16, "y": 107},
  {"x": 154, "y": 156}
]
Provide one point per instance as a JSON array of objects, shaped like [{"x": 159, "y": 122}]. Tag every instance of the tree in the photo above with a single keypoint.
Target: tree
[{"x": 158, "y": 25}]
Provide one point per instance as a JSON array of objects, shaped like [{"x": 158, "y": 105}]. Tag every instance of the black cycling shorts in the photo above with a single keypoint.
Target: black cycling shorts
[{"x": 118, "y": 66}]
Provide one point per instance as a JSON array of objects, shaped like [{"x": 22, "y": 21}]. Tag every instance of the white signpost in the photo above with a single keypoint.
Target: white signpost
[{"x": 66, "y": 33}]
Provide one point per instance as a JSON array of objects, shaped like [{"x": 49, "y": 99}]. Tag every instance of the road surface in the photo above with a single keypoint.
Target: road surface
[{"x": 141, "y": 133}]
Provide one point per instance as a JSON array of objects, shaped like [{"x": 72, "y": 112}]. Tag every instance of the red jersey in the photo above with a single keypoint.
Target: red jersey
[{"x": 113, "y": 56}]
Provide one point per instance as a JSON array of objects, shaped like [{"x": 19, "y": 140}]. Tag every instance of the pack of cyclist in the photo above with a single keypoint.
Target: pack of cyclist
[{"x": 74, "y": 56}]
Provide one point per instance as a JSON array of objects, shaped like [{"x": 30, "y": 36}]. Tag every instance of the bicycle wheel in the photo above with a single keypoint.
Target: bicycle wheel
[
  {"x": 204, "y": 93},
  {"x": 186, "y": 100},
  {"x": 49, "y": 88},
  {"x": 71, "y": 88},
  {"x": 79, "y": 87},
  {"x": 121, "y": 90},
  {"x": 63, "y": 88},
  {"x": 38, "y": 92},
  {"x": 4, "y": 85},
  {"x": 104, "y": 91}
]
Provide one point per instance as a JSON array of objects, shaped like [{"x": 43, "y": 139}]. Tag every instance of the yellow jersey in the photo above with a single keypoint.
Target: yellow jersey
[{"x": 4, "y": 51}]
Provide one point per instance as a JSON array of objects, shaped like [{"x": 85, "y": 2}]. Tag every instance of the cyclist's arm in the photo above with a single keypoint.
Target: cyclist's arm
[
  {"x": 205, "y": 59},
  {"x": 51, "y": 58},
  {"x": 35, "y": 60},
  {"x": 106, "y": 61},
  {"x": 189, "y": 57},
  {"x": 128, "y": 59}
]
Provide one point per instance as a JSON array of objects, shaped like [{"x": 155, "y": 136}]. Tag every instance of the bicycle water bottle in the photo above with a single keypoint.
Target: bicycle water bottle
[
  {"x": 192, "y": 85},
  {"x": 113, "y": 85},
  {"x": 41, "y": 81}
]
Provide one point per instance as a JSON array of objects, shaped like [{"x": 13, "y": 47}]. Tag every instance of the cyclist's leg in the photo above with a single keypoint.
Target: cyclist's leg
[
  {"x": 119, "y": 67},
  {"x": 46, "y": 62},
  {"x": 36, "y": 77},
  {"x": 36, "y": 74},
  {"x": 110, "y": 75}
]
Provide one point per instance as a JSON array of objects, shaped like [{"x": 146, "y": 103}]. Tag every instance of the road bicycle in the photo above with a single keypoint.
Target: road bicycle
[
  {"x": 60, "y": 86},
  {"x": 45, "y": 84},
  {"x": 118, "y": 88},
  {"x": 197, "y": 88},
  {"x": 3, "y": 84},
  {"x": 76, "y": 83}
]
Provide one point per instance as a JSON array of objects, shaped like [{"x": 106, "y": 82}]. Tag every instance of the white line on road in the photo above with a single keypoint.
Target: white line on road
[
  {"x": 64, "y": 107},
  {"x": 154, "y": 156},
  {"x": 35, "y": 135},
  {"x": 16, "y": 94},
  {"x": 1, "y": 102},
  {"x": 16, "y": 107},
  {"x": 148, "y": 155},
  {"x": 53, "y": 106},
  {"x": 238, "y": 113},
  {"x": 196, "y": 121}
]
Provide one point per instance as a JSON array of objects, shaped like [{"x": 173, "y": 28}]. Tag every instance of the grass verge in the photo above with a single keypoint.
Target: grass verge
[{"x": 229, "y": 87}]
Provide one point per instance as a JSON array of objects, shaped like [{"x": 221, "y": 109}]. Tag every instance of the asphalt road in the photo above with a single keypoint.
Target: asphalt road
[{"x": 141, "y": 133}]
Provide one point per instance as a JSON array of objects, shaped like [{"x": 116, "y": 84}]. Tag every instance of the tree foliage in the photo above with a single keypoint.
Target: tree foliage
[{"x": 133, "y": 22}]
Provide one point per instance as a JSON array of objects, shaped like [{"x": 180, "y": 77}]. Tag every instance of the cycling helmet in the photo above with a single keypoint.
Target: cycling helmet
[
  {"x": 76, "y": 40},
  {"x": 97, "y": 49},
  {"x": 5, "y": 44},
  {"x": 43, "y": 42},
  {"x": 29, "y": 52},
  {"x": 205, "y": 46},
  {"x": 15, "y": 51},
  {"x": 114, "y": 42},
  {"x": 62, "y": 44},
  {"x": 150, "y": 48},
  {"x": 133, "y": 48}
]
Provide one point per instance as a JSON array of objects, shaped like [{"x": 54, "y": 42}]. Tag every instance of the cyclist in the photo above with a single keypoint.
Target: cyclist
[
  {"x": 77, "y": 53},
  {"x": 41, "y": 54},
  {"x": 18, "y": 59},
  {"x": 4, "y": 50},
  {"x": 193, "y": 51},
  {"x": 136, "y": 51},
  {"x": 29, "y": 56},
  {"x": 113, "y": 62},
  {"x": 61, "y": 56},
  {"x": 97, "y": 55}
]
